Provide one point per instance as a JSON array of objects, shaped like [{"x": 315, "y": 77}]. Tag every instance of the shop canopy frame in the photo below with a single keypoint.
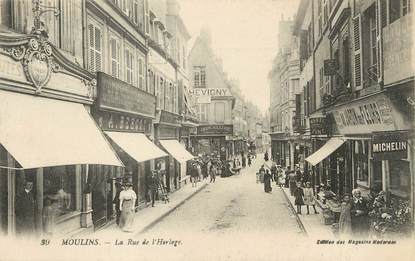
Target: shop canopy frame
[
  {"x": 176, "y": 150},
  {"x": 326, "y": 150},
  {"x": 137, "y": 145},
  {"x": 42, "y": 132}
]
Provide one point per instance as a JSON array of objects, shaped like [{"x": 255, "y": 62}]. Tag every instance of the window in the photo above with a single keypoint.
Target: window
[
  {"x": 147, "y": 17},
  {"x": 220, "y": 112},
  {"x": 199, "y": 76},
  {"x": 373, "y": 47},
  {"x": 360, "y": 161},
  {"x": 398, "y": 8},
  {"x": 115, "y": 57},
  {"x": 129, "y": 68},
  {"x": 95, "y": 48},
  {"x": 59, "y": 186},
  {"x": 168, "y": 97},
  {"x": 141, "y": 69},
  {"x": 160, "y": 93},
  {"x": 399, "y": 177},
  {"x": 203, "y": 112}
]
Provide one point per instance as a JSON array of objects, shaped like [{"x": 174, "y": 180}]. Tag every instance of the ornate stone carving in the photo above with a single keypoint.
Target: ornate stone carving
[{"x": 91, "y": 85}]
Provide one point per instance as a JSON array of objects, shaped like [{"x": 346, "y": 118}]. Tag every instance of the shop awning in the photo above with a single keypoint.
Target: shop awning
[
  {"x": 41, "y": 132},
  {"x": 331, "y": 145},
  {"x": 137, "y": 145},
  {"x": 176, "y": 150}
]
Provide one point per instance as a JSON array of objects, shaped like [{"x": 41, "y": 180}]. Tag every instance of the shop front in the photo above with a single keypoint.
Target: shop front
[
  {"x": 167, "y": 127},
  {"x": 280, "y": 149},
  {"x": 48, "y": 140},
  {"x": 125, "y": 115},
  {"x": 214, "y": 140}
]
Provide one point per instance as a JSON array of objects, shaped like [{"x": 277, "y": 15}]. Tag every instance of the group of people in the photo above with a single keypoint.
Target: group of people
[{"x": 202, "y": 169}]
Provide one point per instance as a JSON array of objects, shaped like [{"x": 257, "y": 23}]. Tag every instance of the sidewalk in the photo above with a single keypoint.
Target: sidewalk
[
  {"x": 147, "y": 217},
  {"x": 313, "y": 224}
]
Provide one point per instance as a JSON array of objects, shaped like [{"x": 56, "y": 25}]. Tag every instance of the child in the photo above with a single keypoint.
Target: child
[
  {"x": 309, "y": 199},
  {"x": 298, "y": 194},
  {"x": 345, "y": 220}
]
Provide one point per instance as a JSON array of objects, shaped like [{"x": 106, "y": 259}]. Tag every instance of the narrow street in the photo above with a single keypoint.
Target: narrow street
[{"x": 230, "y": 215}]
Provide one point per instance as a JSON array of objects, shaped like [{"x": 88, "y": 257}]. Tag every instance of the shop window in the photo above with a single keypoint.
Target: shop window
[
  {"x": 399, "y": 177},
  {"x": 220, "y": 112},
  {"x": 360, "y": 161},
  {"x": 59, "y": 185}
]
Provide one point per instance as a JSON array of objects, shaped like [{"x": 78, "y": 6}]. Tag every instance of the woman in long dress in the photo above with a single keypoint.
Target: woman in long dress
[
  {"x": 127, "y": 207},
  {"x": 309, "y": 199},
  {"x": 267, "y": 181}
]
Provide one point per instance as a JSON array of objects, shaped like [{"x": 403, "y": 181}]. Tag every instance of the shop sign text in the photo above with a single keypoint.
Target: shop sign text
[
  {"x": 226, "y": 129},
  {"x": 390, "y": 145},
  {"x": 119, "y": 122}
]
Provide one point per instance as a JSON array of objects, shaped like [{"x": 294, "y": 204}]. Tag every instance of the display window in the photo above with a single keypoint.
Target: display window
[
  {"x": 399, "y": 177},
  {"x": 59, "y": 185},
  {"x": 361, "y": 161}
]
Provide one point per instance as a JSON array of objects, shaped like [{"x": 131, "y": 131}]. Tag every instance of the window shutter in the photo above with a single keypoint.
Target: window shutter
[
  {"x": 379, "y": 68},
  {"x": 91, "y": 48},
  {"x": 357, "y": 47},
  {"x": 98, "y": 50}
]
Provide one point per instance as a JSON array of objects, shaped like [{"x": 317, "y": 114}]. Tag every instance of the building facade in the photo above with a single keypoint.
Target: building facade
[{"x": 214, "y": 100}]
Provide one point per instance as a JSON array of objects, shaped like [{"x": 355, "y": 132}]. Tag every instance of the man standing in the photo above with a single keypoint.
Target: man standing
[
  {"x": 25, "y": 210},
  {"x": 116, "y": 201},
  {"x": 153, "y": 187}
]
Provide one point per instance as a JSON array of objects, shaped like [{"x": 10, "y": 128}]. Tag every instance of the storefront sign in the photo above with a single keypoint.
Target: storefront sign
[
  {"x": 120, "y": 96},
  {"x": 397, "y": 50},
  {"x": 169, "y": 118},
  {"x": 210, "y": 92},
  {"x": 389, "y": 145},
  {"x": 215, "y": 130},
  {"x": 318, "y": 126},
  {"x": 118, "y": 122},
  {"x": 364, "y": 116},
  {"x": 165, "y": 132}
]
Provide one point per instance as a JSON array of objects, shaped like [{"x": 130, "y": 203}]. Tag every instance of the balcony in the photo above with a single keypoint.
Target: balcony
[{"x": 299, "y": 123}]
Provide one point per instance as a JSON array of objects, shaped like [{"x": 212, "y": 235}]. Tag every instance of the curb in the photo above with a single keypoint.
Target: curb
[
  {"x": 157, "y": 220},
  {"x": 300, "y": 223}
]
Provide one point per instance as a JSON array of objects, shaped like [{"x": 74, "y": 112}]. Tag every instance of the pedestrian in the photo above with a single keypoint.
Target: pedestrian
[
  {"x": 274, "y": 173},
  {"x": 154, "y": 183},
  {"x": 116, "y": 202},
  {"x": 243, "y": 161},
  {"x": 267, "y": 182},
  {"x": 298, "y": 173},
  {"x": 249, "y": 161},
  {"x": 292, "y": 177},
  {"x": 25, "y": 211},
  {"x": 309, "y": 199},
  {"x": 199, "y": 171},
  {"x": 204, "y": 169},
  {"x": 213, "y": 172},
  {"x": 266, "y": 157},
  {"x": 305, "y": 178},
  {"x": 127, "y": 207},
  {"x": 299, "y": 194},
  {"x": 345, "y": 220},
  {"x": 281, "y": 177},
  {"x": 359, "y": 214},
  {"x": 287, "y": 172},
  {"x": 194, "y": 175},
  {"x": 260, "y": 174}
]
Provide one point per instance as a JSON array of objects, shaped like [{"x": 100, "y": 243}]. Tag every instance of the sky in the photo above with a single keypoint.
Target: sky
[{"x": 244, "y": 34}]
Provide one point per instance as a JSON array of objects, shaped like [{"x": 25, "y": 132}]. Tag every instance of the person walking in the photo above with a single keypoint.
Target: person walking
[
  {"x": 260, "y": 174},
  {"x": 274, "y": 173},
  {"x": 281, "y": 177},
  {"x": 345, "y": 220},
  {"x": 298, "y": 194},
  {"x": 193, "y": 174},
  {"x": 243, "y": 161},
  {"x": 249, "y": 161},
  {"x": 292, "y": 178},
  {"x": 213, "y": 172},
  {"x": 266, "y": 157},
  {"x": 309, "y": 199},
  {"x": 127, "y": 207},
  {"x": 267, "y": 182}
]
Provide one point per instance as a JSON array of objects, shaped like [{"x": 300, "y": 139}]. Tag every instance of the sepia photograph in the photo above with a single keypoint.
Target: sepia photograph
[{"x": 237, "y": 130}]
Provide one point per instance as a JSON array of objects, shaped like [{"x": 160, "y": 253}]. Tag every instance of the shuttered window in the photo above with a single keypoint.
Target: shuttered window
[
  {"x": 141, "y": 79},
  {"x": 95, "y": 48},
  {"x": 115, "y": 57},
  {"x": 129, "y": 68},
  {"x": 147, "y": 17},
  {"x": 357, "y": 47}
]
